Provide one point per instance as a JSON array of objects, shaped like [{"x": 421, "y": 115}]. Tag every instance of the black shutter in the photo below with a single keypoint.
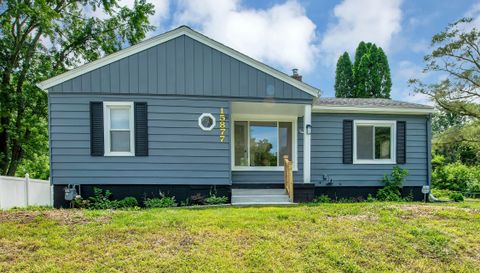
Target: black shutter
[
  {"x": 348, "y": 142},
  {"x": 141, "y": 129},
  {"x": 401, "y": 142},
  {"x": 96, "y": 128}
]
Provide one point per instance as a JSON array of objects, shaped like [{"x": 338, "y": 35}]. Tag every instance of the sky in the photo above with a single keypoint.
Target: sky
[{"x": 310, "y": 35}]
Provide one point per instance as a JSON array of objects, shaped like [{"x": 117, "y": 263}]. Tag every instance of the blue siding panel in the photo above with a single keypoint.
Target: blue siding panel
[
  {"x": 143, "y": 72},
  {"x": 182, "y": 66},
  {"x": 152, "y": 69},
  {"x": 124, "y": 76},
  {"x": 179, "y": 151},
  {"x": 133, "y": 74},
  {"x": 162, "y": 70},
  {"x": 327, "y": 152},
  {"x": 171, "y": 67}
]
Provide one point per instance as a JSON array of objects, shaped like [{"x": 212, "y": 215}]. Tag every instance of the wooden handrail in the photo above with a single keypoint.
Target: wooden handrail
[{"x": 288, "y": 177}]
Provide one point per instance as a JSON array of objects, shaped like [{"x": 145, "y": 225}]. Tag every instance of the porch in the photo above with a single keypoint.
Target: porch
[{"x": 262, "y": 134}]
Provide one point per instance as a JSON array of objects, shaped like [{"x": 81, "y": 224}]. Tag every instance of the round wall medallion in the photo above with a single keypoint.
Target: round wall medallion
[{"x": 206, "y": 121}]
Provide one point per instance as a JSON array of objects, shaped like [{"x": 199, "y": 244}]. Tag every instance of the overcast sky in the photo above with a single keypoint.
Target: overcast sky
[{"x": 310, "y": 35}]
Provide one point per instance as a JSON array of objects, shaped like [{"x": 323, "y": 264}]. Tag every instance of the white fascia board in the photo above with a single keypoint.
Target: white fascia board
[
  {"x": 183, "y": 30},
  {"x": 372, "y": 110}
]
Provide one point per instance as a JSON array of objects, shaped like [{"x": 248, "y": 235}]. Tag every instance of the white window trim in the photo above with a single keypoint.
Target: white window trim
[
  {"x": 384, "y": 123},
  {"x": 214, "y": 122},
  {"x": 106, "y": 127},
  {"x": 253, "y": 117}
]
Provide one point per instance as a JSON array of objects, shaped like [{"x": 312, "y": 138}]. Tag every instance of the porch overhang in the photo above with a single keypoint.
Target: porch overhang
[{"x": 267, "y": 109}]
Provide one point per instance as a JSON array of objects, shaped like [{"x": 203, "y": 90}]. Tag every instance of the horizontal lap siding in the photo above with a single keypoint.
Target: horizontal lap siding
[
  {"x": 327, "y": 152},
  {"x": 179, "y": 151},
  {"x": 185, "y": 67},
  {"x": 273, "y": 177}
]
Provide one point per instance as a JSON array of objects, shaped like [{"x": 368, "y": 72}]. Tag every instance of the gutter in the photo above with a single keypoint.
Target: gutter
[{"x": 372, "y": 110}]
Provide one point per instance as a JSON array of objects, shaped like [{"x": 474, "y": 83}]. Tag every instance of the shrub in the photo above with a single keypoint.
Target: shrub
[
  {"x": 197, "y": 199},
  {"x": 370, "y": 198},
  {"x": 393, "y": 183},
  {"x": 162, "y": 202},
  {"x": 215, "y": 200},
  {"x": 79, "y": 202},
  {"x": 456, "y": 177},
  {"x": 100, "y": 200},
  {"x": 322, "y": 199},
  {"x": 127, "y": 202},
  {"x": 439, "y": 193},
  {"x": 456, "y": 196}
]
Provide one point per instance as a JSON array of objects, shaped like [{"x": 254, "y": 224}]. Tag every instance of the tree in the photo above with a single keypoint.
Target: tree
[
  {"x": 370, "y": 74},
  {"x": 344, "y": 87},
  {"x": 40, "y": 39},
  {"x": 456, "y": 57}
]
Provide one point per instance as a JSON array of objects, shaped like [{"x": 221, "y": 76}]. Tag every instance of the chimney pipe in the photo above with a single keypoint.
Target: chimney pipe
[{"x": 295, "y": 75}]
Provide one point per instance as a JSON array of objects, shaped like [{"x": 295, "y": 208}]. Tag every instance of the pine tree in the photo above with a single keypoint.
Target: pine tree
[
  {"x": 371, "y": 72},
  {"x": 344, "y": 77},
  {"x": 385, "y": 78}
]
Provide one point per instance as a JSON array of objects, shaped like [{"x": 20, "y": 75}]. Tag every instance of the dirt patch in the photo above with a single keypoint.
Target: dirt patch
[
  {"x": 355, "y": 217},
  {"x": 413, "y": 211},
  {"x": 63, "y": 217}
]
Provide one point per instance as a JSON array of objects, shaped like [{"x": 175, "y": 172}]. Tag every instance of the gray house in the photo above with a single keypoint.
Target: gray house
[{"x": 183, "y": 114}]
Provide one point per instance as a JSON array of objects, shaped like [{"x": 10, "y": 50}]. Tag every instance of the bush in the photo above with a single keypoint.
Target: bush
[
  {"x": 197, "y": 199},
  {"x": 370, "y": 198},
  {"x": 100, "y": 200},
  {"x": 439, "y": 193},
  {"x": 127, "y": 202},
  {"x": 393, "y": 184},
  {"x": 456, "y": 177},
  {"x": 456, "y": 196},
  {"x": 162, "y": 202},
  {"x": 215, "y": 200},
  {"x": 322, "y": 199},
  {"x": 80, "y": 203}
]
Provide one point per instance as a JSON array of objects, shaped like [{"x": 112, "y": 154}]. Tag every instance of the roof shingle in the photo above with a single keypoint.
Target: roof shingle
[{"x": 368, "y": 103}]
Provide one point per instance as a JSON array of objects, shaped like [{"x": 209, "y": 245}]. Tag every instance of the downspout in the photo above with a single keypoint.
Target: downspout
[{"x": 428, "y": 149}]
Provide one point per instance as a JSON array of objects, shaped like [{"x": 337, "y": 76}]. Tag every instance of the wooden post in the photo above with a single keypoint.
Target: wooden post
[{"x": 288, "y": 177}]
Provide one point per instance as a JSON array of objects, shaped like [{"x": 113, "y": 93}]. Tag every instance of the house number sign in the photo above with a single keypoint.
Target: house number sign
[{"x": 222, "y": 125}]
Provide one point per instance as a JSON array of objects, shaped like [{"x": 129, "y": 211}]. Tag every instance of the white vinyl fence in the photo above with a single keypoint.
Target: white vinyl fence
[{"x": 23, "y": 192}]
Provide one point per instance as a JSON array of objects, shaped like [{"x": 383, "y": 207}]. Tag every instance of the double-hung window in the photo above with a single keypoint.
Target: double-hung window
[
  {"x": 261, "y": 145},
  {"x": 374, "y": 142},
  {"x": 119, "y": 128}
]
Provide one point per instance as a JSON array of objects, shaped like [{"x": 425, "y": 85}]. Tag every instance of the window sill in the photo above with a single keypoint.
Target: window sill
[
  {"x": 261, "y": 169},
  {"x": 374, "y": 162},
  {"x": 119, "y": 154}
]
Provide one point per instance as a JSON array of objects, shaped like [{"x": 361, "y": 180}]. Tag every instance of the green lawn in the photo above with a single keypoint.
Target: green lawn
[{"x": 361, "y": 237}]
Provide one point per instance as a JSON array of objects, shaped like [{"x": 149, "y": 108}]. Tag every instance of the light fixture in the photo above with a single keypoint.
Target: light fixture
[{"x": 308, "y": 129}]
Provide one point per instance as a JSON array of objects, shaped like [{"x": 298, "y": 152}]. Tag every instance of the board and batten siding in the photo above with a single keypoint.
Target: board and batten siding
[
  {"x": 182, "y": 66},
  {"x": 179, "y": 151},
  {"x": 327, "y": 156},
  {"x": 273, "y": 177}
]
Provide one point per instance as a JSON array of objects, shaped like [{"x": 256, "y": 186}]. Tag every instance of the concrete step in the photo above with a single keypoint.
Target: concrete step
[
  {"x": 258, "y": 192},
  {"x": 260, "y": 197},
  {"x": 264, "y": 204}
]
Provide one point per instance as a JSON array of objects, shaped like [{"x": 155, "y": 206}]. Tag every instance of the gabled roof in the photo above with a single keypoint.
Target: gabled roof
[
  {"x": 369, "y": 105},
  {"x": 183, "y": 30}
]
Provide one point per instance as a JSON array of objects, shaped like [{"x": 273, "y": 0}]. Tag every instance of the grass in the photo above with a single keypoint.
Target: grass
[{"x": 359, "y": 237}]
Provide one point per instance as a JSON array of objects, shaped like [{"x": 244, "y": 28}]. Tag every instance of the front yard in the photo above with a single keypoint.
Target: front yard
[{"x": 361, "y": 237}]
